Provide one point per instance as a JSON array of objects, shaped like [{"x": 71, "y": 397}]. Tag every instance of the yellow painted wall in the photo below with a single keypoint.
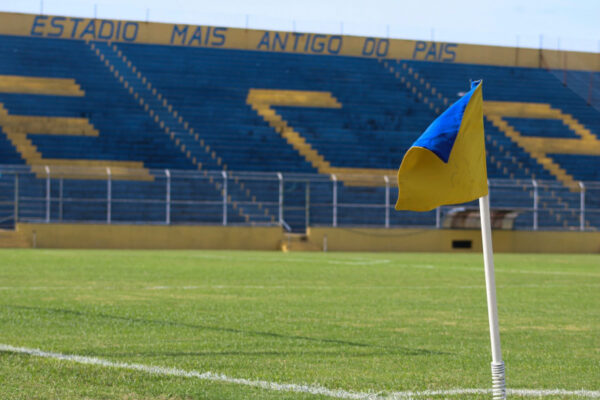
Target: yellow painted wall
[
  {"x": 49, "y": 26},
  {"x": 270, "y": 238},
  {"x": 92, "y": 236},
  {"x": 440, "y": 240}
]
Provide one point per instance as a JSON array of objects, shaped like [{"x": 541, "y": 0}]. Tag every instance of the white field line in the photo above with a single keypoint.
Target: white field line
[
  {"x": 294, "y": 287},
  {"x": 519, "y": 271},
  {"x": 286, "y": 387},
  {"x": 499, "y": 270},
  {"x": 358, "y": 262},
  {"x": 282, "y": 259},
  {"x": 49, "y": 288},
  {"x": 371, "y": 287},
  {"x": 309, "y": 287},
  {"x": 367, "y": 261}
]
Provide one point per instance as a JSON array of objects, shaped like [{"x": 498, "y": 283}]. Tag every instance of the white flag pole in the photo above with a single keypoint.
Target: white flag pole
[{"x": 498, "y": 379}]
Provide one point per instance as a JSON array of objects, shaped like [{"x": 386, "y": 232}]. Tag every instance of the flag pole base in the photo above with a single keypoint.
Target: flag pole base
[{"x": 498, "y": 381}]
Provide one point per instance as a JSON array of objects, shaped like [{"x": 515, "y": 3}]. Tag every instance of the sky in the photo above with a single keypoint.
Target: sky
[{"x": 555, "y": 24}]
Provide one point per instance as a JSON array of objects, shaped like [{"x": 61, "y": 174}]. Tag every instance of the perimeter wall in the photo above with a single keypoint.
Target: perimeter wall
[{"x": 101, "y": 236}]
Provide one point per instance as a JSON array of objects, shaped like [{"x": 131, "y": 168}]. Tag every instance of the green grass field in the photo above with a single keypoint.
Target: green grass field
[{"x": 376, "y": 323}]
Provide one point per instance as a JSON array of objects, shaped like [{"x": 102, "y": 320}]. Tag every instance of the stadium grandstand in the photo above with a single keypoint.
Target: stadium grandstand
[
  {"x": 210, "y": 212},
  {"x": 146, "y": 123}
]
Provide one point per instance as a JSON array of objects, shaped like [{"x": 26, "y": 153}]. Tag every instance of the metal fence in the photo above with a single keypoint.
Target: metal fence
[{"x": 293, "y": 201}]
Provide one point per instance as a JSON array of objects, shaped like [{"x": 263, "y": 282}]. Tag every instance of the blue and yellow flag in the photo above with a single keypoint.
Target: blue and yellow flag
[{"x": 446, "y": 165}]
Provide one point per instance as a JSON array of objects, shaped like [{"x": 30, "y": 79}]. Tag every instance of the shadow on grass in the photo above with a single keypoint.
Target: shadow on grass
[{"x": 388, "y": 349}]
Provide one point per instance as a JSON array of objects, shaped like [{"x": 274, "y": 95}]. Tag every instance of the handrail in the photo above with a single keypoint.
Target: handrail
[
  {"x": 286, "y": 226},
  {"x": 333, "y": 201}
]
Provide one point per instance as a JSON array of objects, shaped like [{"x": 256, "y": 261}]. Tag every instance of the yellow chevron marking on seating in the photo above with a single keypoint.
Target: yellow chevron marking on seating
[
  {"x": 93, "y": 169},
  {"x": 48, "y": 125},
  {"x": 540, "y": 147},
  {"x": 43, "y": 86},
  {"x": 17, "y": 127},
  {"x": 261, "y": 101}
]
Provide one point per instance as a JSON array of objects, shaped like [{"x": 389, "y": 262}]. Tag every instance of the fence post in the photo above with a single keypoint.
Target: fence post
[
  {"x": 168, "y": 197},
  {"x": 438, "y": 217},
  {"x": 280, "y": 201},
  {"x": 224, "y": 197},
  {"x": 535, "y": 204},
  {"x": 307, "y": 204},
  {"x": 335, "y": 200},
  {"x": 582, "y": 206},
  {"x": 387, "y": 201},
  {"x": 47, "y": 193},
  {"x": 16, "y": 204},
  {"x": 108, "y": 195},
  {"x": 60, "y": 199}
]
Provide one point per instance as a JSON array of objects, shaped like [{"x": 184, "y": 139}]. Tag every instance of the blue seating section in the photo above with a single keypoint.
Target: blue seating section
[
  {"x": 209, "y": 125},
  {"x": 350, "y": 138},
  {"x": 8, "y": 154},
  {"x": 585, "y": 84},
  {"x": 7, "y": 208},
  {"x": 510, "y": 84},
  {"x": 127, "y": 132},
  {"x": 230, "y": 127},
  {"x": 539, "y": 127},
  {"x": 582, "y": 167}
]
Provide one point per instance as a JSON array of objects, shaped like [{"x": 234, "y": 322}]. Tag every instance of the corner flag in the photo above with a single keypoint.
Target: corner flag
[{"x": 446, "y": 165}]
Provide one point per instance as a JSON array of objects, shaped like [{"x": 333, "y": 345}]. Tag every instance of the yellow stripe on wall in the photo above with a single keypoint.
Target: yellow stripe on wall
[{"x": 220, "y": 37}]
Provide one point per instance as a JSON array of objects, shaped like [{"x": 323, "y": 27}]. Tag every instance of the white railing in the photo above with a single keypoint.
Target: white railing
[{"x": 290, "y": 200}]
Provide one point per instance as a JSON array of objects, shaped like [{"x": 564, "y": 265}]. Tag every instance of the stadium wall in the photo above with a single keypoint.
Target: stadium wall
[
  {"x": 449, "y": 240},
  {"x": 288, "y": 42},
  {"x": 100, "y": 236}
]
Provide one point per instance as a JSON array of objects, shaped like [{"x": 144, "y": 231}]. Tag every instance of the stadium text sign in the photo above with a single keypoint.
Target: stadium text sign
[
  {"x": 81, "y": 28},
  {"x": 283, "y": 42},
  {"x": 208, "y": 36}
]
